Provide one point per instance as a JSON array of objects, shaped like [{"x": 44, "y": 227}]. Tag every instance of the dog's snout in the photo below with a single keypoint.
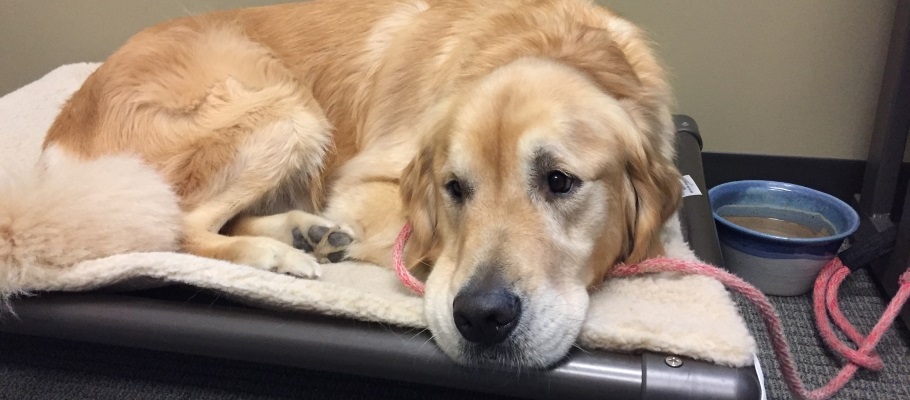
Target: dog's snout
[{"x": 486, "y": 317}]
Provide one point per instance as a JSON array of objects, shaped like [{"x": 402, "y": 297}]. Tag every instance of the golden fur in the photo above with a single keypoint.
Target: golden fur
[{"x": 363, "y": 111}]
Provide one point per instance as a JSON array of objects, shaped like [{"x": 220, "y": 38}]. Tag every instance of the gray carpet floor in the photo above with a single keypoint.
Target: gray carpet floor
[
  {"x": 39, "y": 368},
  {"x": 861, "y": 303}
]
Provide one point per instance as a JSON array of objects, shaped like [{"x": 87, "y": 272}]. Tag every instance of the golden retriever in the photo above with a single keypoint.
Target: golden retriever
[{"x": 529, "y": 143}]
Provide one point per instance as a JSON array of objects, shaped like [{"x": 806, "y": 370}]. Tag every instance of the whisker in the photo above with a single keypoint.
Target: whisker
[{"x": 419, "y": 333}]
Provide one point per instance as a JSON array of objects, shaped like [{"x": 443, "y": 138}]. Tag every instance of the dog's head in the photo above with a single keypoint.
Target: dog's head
[{"x": 538, "y": 181}]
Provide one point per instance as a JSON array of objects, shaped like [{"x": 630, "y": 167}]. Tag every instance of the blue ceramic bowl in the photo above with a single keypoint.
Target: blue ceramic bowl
[{"x": 777, "y": 236}]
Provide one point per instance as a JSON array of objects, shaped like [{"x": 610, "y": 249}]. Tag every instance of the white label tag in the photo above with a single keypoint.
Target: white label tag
[{"x": 689, "y": 187}]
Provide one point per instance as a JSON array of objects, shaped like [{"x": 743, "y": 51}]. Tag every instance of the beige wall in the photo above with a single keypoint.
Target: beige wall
[
  {"x": 776, "y": 76},
  {"x": 38, "y": 35},
  {"x": 767, "y": 77}
]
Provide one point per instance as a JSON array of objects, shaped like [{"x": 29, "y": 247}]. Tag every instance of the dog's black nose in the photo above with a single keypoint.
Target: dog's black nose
[{"x": 486, "y": 317}]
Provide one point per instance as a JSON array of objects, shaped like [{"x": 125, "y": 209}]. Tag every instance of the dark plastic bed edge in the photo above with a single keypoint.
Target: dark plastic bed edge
[{"x": 360, "y": 348}]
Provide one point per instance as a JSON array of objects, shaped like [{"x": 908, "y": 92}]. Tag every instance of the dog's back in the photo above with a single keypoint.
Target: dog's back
[{"x": 255, "y": 112}]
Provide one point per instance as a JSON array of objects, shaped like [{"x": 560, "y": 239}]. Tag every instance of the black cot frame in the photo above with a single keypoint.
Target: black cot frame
[
  {"x": 169, "y": 322},
  {"x": 889, "y": 141}
]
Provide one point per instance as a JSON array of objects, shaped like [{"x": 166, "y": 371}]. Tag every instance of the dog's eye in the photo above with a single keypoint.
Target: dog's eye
[
  {"x": 560, "y": 182},
  {"x": 454, "y": 189}
]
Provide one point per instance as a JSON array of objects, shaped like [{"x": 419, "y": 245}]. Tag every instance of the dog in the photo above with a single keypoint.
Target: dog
[{"x": 528, "y": 142}]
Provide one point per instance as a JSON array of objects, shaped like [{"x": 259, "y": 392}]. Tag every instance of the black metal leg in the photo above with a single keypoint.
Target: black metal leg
[
  {"x": 886, "y": 272},
  {"x": 889, "y": 139},
  {"x": 892, "y": 123}
]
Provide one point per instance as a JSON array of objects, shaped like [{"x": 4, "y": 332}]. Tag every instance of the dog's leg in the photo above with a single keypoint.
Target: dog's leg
[
  {"x": 269, "y": 157},
  {"x": 229, "y": 127},
  {"x": 321, "y": 237},
  {"x": 201, "y": 237},
  {"x": 241, "y": 135}
]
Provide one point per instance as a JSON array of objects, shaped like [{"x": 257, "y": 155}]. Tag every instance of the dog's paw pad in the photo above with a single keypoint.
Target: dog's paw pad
[
  {"x": 300, "y": 241},
  {"x": 316, "y": 233},
  {"x": 326, "y": 243},
  {"x": 339, "y": 239},
  {"x": 332, "y": 246},
  {"x": 336, "y": 257}
]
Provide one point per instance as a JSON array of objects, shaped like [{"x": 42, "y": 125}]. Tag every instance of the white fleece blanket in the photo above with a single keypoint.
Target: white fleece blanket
[{"x": 685, "y": 315}]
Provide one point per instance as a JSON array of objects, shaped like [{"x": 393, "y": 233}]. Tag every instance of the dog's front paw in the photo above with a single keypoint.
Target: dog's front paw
[
  {"x": 328, "y": 244},
  {"x": 301, "y": 265},
  {"x": 272, "y": 255}
]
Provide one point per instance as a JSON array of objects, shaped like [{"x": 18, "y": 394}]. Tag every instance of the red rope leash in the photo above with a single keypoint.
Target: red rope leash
[
  {"x": 825, "y": 294},
  {"x": 862, "y": 357},
  {"x": 398, "y": 259},
  {"x": 824, "y": 298}
]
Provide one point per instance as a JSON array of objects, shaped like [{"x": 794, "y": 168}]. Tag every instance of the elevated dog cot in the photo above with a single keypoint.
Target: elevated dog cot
[{"x": 170, "y": 319}]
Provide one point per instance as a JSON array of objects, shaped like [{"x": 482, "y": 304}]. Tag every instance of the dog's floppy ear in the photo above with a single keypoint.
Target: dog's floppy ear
[
  {"x": 657, "y": 189},
  {"x": 419, "y": 201}
]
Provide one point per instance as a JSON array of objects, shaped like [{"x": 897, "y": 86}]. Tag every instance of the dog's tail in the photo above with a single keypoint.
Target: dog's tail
[{"x": 66, "y": 211}]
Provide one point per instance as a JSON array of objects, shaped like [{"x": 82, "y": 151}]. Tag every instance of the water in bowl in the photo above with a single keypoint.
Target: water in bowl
[
  {"x": 780, "y": 222},
  {"x": 778, "y": 227}
]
